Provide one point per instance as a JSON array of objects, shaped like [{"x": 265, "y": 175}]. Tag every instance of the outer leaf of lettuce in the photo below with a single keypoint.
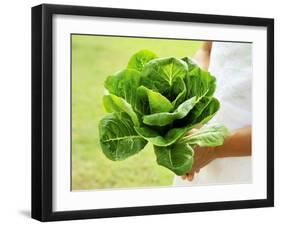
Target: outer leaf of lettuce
[
  {"x": 156, "y": 138},
  {"x": 200, "y": 106},
  {"x": 204, "y": 110},
  {"x": 177, "y": 157},
  {"x": 208, "y": 136},
  {"x": 165, "y": 118},
  {"x": 209, "y": 111},
  {"x": 139, "y": 59},
  {"x": 196, "y": 111},
  {"x": 114, "y": 103},
  {"x": 156, "y": 102},
  {"x": 190, "y": 63},
  {"x": 178, "y": 91},
  {"x": 200, "y": 83},
  {"x": 124, "y": 84},
  {"x": 118, "y": 138}
]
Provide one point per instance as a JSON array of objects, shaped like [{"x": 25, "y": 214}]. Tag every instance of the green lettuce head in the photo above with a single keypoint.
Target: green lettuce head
[{"x": 159, "y": 100}]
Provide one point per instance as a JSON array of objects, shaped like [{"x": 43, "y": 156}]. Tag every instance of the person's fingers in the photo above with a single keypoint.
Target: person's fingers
[
  {"x": 190, "y": 176},
  {"x": 183, "y": 177}
]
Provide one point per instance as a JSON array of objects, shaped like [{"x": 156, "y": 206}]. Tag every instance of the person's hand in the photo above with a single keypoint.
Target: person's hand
[
  {"x": 237, "y": 144},
  {"x": 202, "y": 157}
]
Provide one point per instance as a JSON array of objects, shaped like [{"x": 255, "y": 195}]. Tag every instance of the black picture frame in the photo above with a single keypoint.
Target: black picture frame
[{"x": 42, "y": 111}]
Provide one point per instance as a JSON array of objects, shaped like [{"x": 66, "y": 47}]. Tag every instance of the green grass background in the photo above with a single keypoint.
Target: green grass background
[{"x": 93, "y": 59}]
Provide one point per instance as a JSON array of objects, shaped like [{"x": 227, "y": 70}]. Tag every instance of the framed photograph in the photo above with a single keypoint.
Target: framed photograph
[{"x": 140, "y": 112}]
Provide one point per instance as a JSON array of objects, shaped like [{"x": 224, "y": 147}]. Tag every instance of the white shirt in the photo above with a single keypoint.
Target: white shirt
[{"x": 231, "y": 63}]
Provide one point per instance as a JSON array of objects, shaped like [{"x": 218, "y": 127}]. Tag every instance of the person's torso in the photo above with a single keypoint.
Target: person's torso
[{"x": 231, "y": 63}]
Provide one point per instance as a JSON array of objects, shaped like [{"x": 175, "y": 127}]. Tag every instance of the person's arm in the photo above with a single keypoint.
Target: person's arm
[
  {"x": 202, "y": 56},
  {"x": 237, "y": 144}
]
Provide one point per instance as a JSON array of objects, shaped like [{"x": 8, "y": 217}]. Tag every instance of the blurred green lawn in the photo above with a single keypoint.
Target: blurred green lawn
[{"x": 93, "y": 59}]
